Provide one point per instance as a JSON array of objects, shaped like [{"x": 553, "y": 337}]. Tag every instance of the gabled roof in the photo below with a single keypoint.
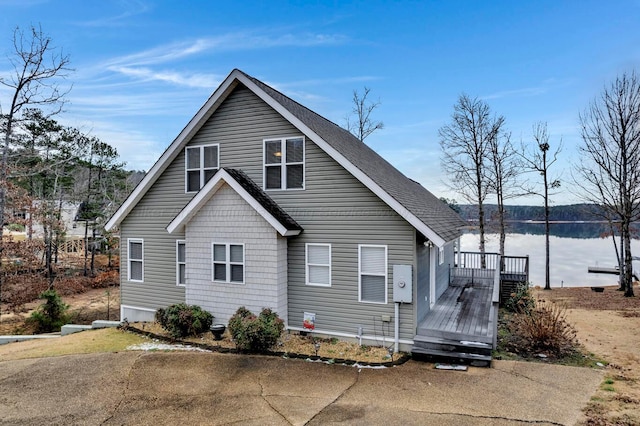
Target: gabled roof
[
  {"x": 424, "y": 211},
  {"x": 249, "y": 191}
]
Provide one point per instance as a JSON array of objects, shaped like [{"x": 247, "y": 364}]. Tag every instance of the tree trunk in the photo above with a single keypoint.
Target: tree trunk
[
  {"x": 483, "y": 260},
  {"x": 547, "y": 278},
  {"x": 628, "y": 264},
  {"x": 86, "y": 248}
]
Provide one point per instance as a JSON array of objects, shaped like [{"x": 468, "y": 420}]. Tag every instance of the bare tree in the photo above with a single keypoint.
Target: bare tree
[
  {"x": 609, "y": 168},
  {"x": 538, "y": 158},
  {"x": 37, "y": 66},
  {"x": 465, "y": 147},
  {"x": 362, "y": 125},
  {"x": 504, "y": 169}
]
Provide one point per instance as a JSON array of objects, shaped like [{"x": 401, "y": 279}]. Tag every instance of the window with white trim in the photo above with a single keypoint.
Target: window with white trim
[
  {"x": 228, "y": 263},
  {"x": 181, "y": 263},
  {"x": 372, "y": 271},
  {"x": 440, "y": 255},
  {"x": 201, "y": 163},
  {"x": 135, "y": 259},
  {"x": 318, "y": 264},
  {"x": 284, "y": 163}
]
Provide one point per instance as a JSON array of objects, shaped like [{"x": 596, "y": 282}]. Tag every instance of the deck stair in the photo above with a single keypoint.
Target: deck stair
[{"x": 453, "y": 349}]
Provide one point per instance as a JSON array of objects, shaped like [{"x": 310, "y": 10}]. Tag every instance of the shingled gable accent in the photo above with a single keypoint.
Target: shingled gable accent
[
  {"x": 409, "y": 199},
  {"x": 249, "y": 191}
]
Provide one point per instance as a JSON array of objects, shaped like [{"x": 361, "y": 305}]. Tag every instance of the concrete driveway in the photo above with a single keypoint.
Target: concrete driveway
[{"x": 219, "y": 389}]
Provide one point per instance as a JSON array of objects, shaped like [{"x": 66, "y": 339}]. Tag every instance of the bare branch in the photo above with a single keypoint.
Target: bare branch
[
  {"x": 362, "y": 125},
  {"x": 608, "y": 172}
]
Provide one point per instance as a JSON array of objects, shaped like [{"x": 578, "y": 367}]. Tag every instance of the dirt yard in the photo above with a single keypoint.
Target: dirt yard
[
  {"x": 95, "y": 304},
  {"x": 608, "y": 325}
]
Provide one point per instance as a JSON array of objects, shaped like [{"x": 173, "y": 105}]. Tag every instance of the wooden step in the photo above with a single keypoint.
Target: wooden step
[
  {"x": 453, "y": 357},
  {"x": 448, "y": 345},
  {"x": 452, "y": 335}
]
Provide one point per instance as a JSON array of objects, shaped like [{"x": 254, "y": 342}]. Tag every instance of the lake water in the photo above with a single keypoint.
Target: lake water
[{"x": 573, "y": 248}]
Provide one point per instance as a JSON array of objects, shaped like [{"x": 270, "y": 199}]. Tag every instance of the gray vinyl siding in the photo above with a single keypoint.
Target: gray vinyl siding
[
  {"x": 422, "y": 290},
  {"x": 148, "y": 221},
  {"x": 442, "y": 271},
  {"x": 334, "y": 208}
]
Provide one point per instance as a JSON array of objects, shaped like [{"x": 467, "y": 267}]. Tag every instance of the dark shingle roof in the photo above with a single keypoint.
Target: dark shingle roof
[
  {"x": 265, "y": 201},
  {"x": 435, "y": 214}
]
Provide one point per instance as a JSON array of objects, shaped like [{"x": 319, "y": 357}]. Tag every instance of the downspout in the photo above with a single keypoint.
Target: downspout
[
  {"x": 432, "y": 275},
  {"x": 396, "y": 328}
]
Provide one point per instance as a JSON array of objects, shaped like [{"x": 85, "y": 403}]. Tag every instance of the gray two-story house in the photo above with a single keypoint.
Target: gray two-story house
[{"x": 260, "y": 202}]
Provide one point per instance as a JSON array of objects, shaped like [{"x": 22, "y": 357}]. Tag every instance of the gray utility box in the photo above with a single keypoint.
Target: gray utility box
[{"x": 402, "y": 283}]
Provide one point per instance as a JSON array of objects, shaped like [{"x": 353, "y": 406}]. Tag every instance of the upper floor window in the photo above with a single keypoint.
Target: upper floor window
[
  {"x": 201, "y": 163},
  {"x": 284, "y": 163}
]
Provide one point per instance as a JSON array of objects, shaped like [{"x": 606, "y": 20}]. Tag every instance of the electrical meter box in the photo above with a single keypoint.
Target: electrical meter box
[{"x": 402, "y": 283}]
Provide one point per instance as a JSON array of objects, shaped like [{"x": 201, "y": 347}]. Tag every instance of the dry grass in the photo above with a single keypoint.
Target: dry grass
[
  {"x": 607, "y": 325},
  {"x": 92, "y": 341},
  {"x": 584, "y": 298}
]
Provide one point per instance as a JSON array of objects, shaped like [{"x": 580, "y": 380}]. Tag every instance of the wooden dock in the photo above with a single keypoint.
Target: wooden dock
[{"x": 611, "y": 271}]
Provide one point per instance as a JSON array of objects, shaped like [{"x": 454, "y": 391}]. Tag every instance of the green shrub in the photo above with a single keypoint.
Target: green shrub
[
  {"x": 182, "y": 320},
  {"x": 51, "y": 315},
  {"x": 255, "y": 334},
  {"x": 521, "y": 300}
]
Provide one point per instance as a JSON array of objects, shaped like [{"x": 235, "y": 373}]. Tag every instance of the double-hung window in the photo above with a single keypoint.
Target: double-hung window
[
  {"x": 372, "y": 271},
  {"x": 135, "y": 257},
  {"x": 440, "y": 255},
  {"x": 181, "y": 263},
  {"x": 228, "y": 263},
  {"x": 201, "y": 163},
  {"x": 319, "y": 264},
  {"x": 284, "y": 163}
]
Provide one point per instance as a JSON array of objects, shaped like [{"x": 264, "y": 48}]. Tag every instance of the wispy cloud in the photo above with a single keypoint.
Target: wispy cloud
[
  {"x": 183, "y": 79},
  {"x": 143, "y": 66},
  {"x": 223, "y": 43},
  {"x": 131, "y": 8},
  {"x": 544, "y": 87},
  {"x": 524, "y": 92}
]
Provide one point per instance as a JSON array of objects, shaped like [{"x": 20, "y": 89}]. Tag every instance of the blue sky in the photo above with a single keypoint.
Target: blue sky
[{"x": 143, "y": 68}]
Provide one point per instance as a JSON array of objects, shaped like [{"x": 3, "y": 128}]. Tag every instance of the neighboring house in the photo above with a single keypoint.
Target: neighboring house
[
  {"x": 73, "y": 229},
  {"x": 260, "y": 202}
]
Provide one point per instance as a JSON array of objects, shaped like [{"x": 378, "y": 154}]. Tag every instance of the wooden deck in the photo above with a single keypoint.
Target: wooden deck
[
  {"x": 463, "y": 311},
  {"x": 462, "y": 325}
]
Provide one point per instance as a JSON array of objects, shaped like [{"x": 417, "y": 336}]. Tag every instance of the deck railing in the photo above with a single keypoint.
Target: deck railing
[{"x": 478, "y": 265}]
